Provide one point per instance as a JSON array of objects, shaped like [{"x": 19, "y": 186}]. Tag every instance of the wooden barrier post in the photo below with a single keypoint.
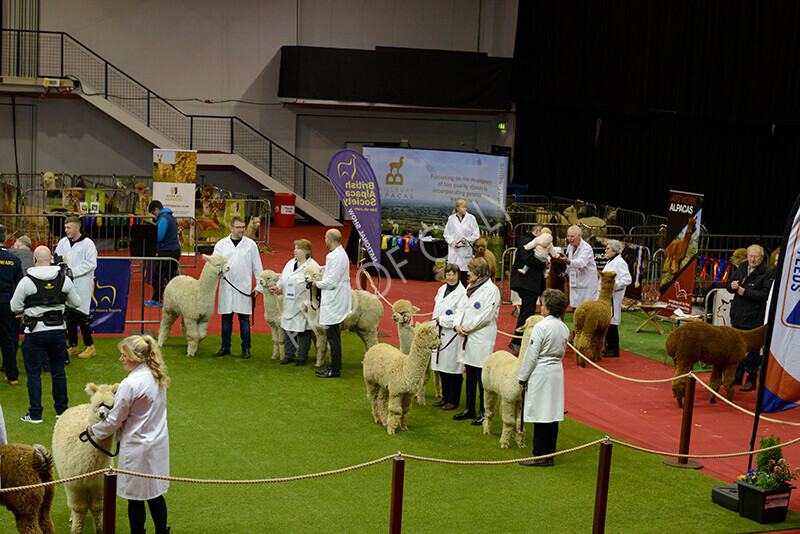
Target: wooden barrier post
[
  {"x": 686, "y": 431},
  {"x": 601, "y": 495},
  {"x": 396, "y": 514},
  {"x": 109, "y": 502}
]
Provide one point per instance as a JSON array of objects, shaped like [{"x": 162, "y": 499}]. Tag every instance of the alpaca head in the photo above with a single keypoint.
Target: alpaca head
[
  {"x": 268, "y": 278},
  {"x": 311, "y": 273},
  {"x": 218, "y": 263},
  {"x": 558, "y": 264},
  {"x": 607, "y": 280},
  {"x": 102, "y": 399},
  {"x": 480, "y": 246},
  {"x": 254, "y": 224},
  {"x": 403, "y": 311},
  {"x": 141, "y": 188},
  {"x": 739, "y": 256},
  {"x": 691, "y": 226},
  {"x": 426, "y": 336},
  {"x": 49, "y": 180}
]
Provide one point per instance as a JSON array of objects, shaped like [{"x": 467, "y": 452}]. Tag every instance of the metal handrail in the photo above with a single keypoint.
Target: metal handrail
[{"x": 185, "y": 129}]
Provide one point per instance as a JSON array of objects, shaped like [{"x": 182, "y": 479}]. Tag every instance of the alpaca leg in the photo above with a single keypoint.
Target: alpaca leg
[
  {"x": 729, "y": 375},
  {"x": 395, "y": 412},
  {"x": 518, "y": 425},
  {"x": 437, "y": 384},
  {"x": 192, "y": 334},
  {"x": 96, "y": 507},
  {"x": 489, "y": 404},
  {"x": 26, "y": 523},
  {"x": 679, "y": 385},
  {"x": 716, "y": 381},
  {"x": 407, "y": 400},
  {"x": 373, "y": 390},
  {"x": 45, "y": 523},
  {"x": 507, "y": 414},
  {"x": 423, "y": 385},
  {"x": 322, "y": 347},
  {"x": 168, "y": 318},
  {"x": 383, "y": 406}
]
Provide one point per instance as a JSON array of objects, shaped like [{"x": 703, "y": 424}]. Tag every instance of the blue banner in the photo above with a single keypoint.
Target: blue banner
[
  {"x": 355, "y": 183},
  {"x": 112, "y": 280}
]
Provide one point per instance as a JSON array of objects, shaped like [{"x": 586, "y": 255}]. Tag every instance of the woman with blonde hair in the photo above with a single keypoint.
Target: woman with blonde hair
[
  {"x": 460, "y": 232},
  {"x": 140, "y": 415}
]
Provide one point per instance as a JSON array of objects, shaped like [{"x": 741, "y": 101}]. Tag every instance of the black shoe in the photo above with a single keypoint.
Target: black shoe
[
  {"x": 462, "y": 416},
  {"x": 223, "y": 352},
  {"x": 478, "y": 419},
  {"x": 738, "y": 381},
  {"x": 613, "y": 353},
  {"x": 245, "y": 353},
  {"x": 748, "y": 386},
  {"x": 286, "y": 362},
  {"x": 545, "y": 462},
  {"x": 328, "y": 373},
  {"x": 439, "y": 404},
  {"x": 514, "y": 347},
  {"x": 299, "y": 363}
]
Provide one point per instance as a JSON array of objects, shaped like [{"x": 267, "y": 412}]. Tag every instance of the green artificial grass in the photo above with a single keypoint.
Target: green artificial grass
[{"x": 249, "y": 419}]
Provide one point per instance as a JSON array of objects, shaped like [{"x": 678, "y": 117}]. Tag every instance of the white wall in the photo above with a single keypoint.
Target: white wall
[{"x": 190, "y": 51}]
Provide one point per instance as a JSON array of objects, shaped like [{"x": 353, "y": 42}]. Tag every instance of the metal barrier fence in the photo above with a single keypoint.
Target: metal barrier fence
[
  {"x": 506, "y": 261},
  {"x": 58, "y": 55}
]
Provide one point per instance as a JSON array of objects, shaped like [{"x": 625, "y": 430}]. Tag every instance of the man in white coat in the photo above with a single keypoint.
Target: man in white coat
[
  {"x": 80, "y": 254},
  {"x": 336, "y": 302},
  {"x": 236, "y": 288},
  {"x": 460, "y": 232},
  {"x": 581, "y": 268}
]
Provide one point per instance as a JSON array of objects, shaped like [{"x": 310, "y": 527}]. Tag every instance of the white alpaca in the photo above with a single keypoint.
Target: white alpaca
[
  {"x": 273, "y": 307},
  {"x": 193, "y": 301},
  {"x": 392, "y": 378},
  {"x": 364, "y": 319},
  {"x": 74, "y": 457},
  {"x": 500, "y": 380},
  {"x": 403, "y": 314}
]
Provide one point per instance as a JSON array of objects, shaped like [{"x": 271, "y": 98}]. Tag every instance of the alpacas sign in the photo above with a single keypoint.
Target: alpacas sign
[
  {"x": 355, "y": 183},
  {"x": 684, "y": 218}
]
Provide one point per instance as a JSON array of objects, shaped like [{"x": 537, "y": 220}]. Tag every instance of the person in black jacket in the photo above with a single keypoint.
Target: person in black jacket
[
  {"x": 10, "y": 275},
  {"x": 751, "y": 283},
  {"x": 528, "y": 285}
]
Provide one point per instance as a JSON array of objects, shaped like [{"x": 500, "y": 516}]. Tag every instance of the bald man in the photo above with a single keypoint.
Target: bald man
[
  {"x": 336, "y": 301},
  {"x": 42, "y": 296}
]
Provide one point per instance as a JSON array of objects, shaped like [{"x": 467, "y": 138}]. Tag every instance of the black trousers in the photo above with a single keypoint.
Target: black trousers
[
  {"x": 334, "y": 338},
  {"x": 544, "y": 438},
  {"x": 72, "y": 332},
  {"x": 527, "y": 308},
  {"x": 612, "y": 337},
  {"x": 164, "y": 271},
  {"x": 474, "y": 382},
  {"x": 296, "y": 342},
  {"x": 137, "y": 515},
  {"x": 9, "y": 340},
  {"x": 451, "y": 387}
]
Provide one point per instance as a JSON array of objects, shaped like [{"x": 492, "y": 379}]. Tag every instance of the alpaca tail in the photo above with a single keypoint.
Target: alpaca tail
[{"x": 43, "y": 462}]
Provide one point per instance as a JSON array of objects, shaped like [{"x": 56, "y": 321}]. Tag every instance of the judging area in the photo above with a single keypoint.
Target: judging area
[{"x": 244, "y": 433}]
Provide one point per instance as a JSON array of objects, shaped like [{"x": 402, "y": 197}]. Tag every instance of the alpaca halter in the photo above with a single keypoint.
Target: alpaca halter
[{"x": 84, "y": 437}]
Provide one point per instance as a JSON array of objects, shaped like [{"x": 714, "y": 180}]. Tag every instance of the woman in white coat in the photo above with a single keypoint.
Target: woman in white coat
[
  {"x": 140, "y": 416},
  {"x": 616, "y": 264},
  {"x": 541, "y": 376},
  {"x": 294, "y": 320},
  {"x": 476, "y": 322},
  {"x": 460, "y": 232},
  {"x": 445, "y": 359}
]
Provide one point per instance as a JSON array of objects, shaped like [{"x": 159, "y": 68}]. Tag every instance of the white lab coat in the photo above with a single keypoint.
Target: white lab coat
[
  {"x": 445, "y": 309},
  {"x": 81, "y": 257},
  {"x": 293, "y": 318},
  {"x": 455, "y": 230},
  {"x": 478, "y": 316},
  {"x": 140, "y": 415},
  {"x": 336, "y": 302},
  {"x": 245, "y": 263},
  {"x": 617, "y": 265},
  {"x": 583, "y": 282},
  {"x": 3, "y": 437},
  {"x": 542, "y": 369}
]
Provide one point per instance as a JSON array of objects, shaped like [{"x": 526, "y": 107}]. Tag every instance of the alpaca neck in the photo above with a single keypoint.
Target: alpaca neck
[
  {"x": 606, "y": 291},
  {"x": 208, "y": 277},
  {"x": 271, "y": 304},
  {"x": 417, "y": 361},
  {"x": 754, "y": 339},
  {"x": 406, "y": 335}
]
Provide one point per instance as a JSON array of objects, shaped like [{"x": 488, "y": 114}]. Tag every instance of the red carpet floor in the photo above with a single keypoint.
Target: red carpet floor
[{"x": 646, "y": 415}]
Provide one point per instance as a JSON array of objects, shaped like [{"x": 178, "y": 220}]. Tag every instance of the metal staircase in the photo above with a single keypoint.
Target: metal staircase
[{"x": 219, "y": 140}]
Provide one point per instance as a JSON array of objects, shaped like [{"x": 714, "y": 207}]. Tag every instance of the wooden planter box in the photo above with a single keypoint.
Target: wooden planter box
[{"x": 763, "y": 505}]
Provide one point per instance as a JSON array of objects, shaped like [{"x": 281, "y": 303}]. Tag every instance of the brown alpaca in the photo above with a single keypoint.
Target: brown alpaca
[
  {"x": 592, "y": 319},
  {"x": 23, "y": 465},
  {"x": 481, "y": 251},
  {"x": 213, "y": 224},
  {"x": 500, "y": 378},
  {"x": 676, "y": 251},
  {"x": 403, "y": 314},
  {"x": 252, "y": 228},
  {"x": 721, "y": 346},
  {"x": 392, "y": 378},
  {"x": 557, "y": 276}
]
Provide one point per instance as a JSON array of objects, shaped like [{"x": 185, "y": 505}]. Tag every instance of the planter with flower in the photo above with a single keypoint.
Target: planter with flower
[{"x": 764, "y": 491}]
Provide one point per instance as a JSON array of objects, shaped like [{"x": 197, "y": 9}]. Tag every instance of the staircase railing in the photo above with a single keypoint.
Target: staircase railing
[{"x": 27, "y": 53}]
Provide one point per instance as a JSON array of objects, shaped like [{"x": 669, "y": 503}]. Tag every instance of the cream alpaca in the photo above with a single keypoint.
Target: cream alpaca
[
  {"x": 403, "y": 314},
  {"x": 273, "y": 307},
  {"x": 364, "y": 319},
  {"x": 193, "y": 301},
  {"x": 74, "y": 457},
  {"x": 592, "y": 319},
  {"x": 500, "y": 381},
  {"x": 392, "y": 378}
]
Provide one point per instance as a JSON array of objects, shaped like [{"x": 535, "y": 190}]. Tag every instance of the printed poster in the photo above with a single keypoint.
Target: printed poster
[
  {"x": 174, "y": 178},
  {"x": 684, "y": 218}
]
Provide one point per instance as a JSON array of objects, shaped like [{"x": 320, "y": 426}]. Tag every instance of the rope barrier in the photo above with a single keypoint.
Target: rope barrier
[
  {"x": 54, "y": 482},
  {"x": 628, "y": 379},
  {"x": 731, "y": 403}
]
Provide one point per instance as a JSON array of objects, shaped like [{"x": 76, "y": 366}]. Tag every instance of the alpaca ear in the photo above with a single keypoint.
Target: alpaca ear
[
  {"x": 91, "y": 388},
  {"x": 206, "y": 257},
  {"x": 115, "y": 387},
  {"x": 415, "y": 309}
]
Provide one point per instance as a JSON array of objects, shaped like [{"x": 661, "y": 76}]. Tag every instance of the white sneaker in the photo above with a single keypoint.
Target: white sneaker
[{"x": 28, "y": 419}]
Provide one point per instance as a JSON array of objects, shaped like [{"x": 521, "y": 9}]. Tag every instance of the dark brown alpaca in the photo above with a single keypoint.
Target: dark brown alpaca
[
  {"x": 720, "y": 346},
  {"x": 557, "y": 276},
  {"x": 23, "y": 465},
  {"x": 676, "y": 251}
]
